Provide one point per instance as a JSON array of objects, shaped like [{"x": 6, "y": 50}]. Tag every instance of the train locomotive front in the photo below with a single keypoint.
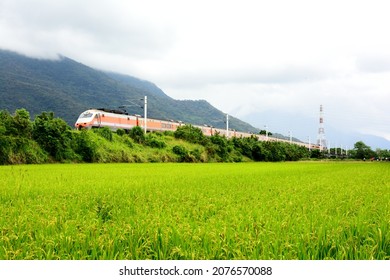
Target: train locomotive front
[
  {"x": 86, "y": 119},
  {"x": 95, "y": 118}
]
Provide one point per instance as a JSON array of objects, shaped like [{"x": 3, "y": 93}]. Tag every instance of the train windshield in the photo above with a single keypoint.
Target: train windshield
[{"x": 85, "y": 115}]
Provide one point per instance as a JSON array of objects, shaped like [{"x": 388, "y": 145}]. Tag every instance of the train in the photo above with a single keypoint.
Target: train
[{"x": 117, "y": 119}]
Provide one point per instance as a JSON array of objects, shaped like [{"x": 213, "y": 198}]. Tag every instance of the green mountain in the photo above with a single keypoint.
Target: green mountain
[{"x": 68, "y": 88}]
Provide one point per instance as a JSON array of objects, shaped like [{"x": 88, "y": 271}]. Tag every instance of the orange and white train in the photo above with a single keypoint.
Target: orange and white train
[{"x": 116, "y": 119}]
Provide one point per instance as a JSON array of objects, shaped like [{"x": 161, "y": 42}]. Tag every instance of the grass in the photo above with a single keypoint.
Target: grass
[{"x": 195, "y": 211}]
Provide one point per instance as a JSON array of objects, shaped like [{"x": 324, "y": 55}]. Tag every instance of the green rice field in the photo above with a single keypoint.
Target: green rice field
[{"x": 300, "y": 210}]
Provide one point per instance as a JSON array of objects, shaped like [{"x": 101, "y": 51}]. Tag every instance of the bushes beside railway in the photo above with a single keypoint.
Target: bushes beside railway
[
  {"x": 49, "y": 139},
  {"x": 221, "y": 149}
]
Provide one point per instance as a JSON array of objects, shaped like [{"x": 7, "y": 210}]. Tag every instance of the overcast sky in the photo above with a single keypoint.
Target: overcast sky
[{"x": 271, "y": 63}]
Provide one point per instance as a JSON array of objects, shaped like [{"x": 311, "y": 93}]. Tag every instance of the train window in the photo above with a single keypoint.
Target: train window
[{"x": 86, "y": 115}]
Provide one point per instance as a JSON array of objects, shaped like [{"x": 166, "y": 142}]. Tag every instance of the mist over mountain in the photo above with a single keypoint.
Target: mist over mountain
[{"x": 67, "y": 88}]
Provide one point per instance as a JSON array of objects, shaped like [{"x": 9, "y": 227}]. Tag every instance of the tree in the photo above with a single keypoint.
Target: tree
[
  {"x": 362, "y": 151},
  {"x": 5, "y": 122},
  {"x": 383, "y": 154},
  {"x": 52, "y": 134},
  {"x": 22, "y": 124},
  {"x": 17, "y": 125},
  {"x": 190, "y": 133},
  {"x": 264, "y": 132},
  {"x": 16, "y": 145},
  {"x": 223, "y": 147}
]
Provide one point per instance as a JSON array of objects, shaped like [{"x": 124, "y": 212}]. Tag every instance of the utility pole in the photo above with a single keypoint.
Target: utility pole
[
  {"x": 145, "y": 99},
  {"x": 145, "y": 113},
  {"x": 227, "y": 126}
]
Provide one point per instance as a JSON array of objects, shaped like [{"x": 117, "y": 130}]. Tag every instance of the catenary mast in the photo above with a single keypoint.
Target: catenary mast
[{"x": 321, "y": 141}]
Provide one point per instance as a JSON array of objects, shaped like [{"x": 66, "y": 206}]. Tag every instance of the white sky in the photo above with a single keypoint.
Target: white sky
[{"x": 266, "y": 62}]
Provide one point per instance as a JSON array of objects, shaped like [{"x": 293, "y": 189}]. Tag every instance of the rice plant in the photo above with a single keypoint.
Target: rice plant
[{"x": 301, "y": 210}]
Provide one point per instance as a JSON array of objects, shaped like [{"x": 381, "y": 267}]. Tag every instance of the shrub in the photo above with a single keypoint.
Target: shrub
[
  {"x": 185, "y": 156},
  {"x": 128, "y": 141},
  {"x": 169, "y": 133},
  {"x": 104, "y": 132},
  {"x": 120, "y": 132},
  {"x": 6, "y": 144},
  {"x": 181, "y": 152},
  {"x": 137, "y": 134},
  {"x": 19, "y": 150},
  {"x": 85, "y": 146},
  {"x": 196, "y": 154},
  {"x": 189, "y": 133},
  {"x": 152, "y": 140},
  {"x": 222, "y": 146}
]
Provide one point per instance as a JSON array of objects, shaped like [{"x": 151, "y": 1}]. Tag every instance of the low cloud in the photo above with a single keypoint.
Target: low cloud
[{"x": 373, "y": 63}]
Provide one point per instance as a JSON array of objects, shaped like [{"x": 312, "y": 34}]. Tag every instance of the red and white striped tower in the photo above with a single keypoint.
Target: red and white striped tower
[{"x": 321, "y": 141}]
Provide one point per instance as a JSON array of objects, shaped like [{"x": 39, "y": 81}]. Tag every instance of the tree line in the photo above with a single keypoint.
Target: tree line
[{"x": 50, "y": 139}]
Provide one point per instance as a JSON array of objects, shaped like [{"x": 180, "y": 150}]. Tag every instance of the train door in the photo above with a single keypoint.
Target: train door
[{"x": 98, "y": 119}]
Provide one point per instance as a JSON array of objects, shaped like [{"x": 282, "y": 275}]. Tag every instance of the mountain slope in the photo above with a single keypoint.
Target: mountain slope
[{"x": 68, "y": 88}]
